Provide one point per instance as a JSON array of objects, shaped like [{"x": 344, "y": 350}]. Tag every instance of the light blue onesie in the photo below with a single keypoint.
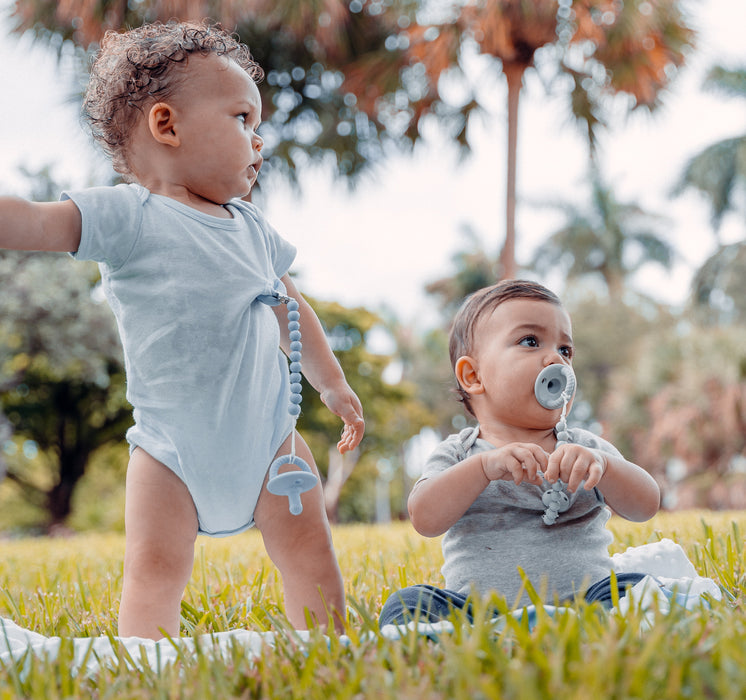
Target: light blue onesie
[{"x": 205, "y": 373}]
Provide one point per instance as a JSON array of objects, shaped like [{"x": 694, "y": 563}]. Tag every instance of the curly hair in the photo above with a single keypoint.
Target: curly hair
[
  {"x": 147, "y": 64},
  {"x": 486, "y": 300}
]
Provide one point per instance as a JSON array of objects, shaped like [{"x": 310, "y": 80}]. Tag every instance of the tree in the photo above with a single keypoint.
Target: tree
[
  {"x": 606, "y": 335},
  {"x": 608, "y": 239},
  {"x": 62, "y": 385},
  {"x": 681, "y": 414},
  {"x": 719, "y": 171},
  {"x": 392, "y": 412},
  {"x": 304, "y": 48},
  {"x": 719, "y": 287},
  {"x": 474, "y": 269},
  {"x": 346, "y": 77},
  {"x": 601, "y": 48},
  {"x": 61, "y": 373}
]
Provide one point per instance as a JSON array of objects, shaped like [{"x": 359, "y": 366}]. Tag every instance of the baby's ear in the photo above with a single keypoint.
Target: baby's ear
[
  {"x": 161, "y": 121},
  {"x": 467, "y": 375}
]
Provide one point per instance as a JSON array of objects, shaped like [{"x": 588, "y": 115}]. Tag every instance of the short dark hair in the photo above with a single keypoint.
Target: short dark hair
[
  {"x": 146, "y": 64},
  {"x": 462, "y": 335}
]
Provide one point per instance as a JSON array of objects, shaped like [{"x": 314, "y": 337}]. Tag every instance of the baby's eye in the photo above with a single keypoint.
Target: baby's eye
[
  {"x": 529, "y": 341},
  {"x": 567, "y": 351}
]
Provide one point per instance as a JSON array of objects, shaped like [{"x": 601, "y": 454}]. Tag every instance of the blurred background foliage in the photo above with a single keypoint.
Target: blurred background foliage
[{"x": 346, "y": 82}]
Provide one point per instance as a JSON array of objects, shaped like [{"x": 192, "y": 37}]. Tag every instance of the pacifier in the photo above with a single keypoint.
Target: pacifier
[
  {"x": 291, "y": 483},
  {"x": 554, "y": 386}
]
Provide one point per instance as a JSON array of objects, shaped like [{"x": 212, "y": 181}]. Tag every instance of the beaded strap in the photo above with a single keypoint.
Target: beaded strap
[
  {"x": 297, "y": 481},
  {"x": 554, "y": 387}
]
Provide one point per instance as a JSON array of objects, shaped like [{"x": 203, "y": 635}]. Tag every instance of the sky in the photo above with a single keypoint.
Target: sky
[{"x": 379, "y": 245}]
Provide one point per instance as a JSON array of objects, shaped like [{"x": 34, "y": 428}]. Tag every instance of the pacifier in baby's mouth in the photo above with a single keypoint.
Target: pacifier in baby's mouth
[{"x": 555, "y": 387}]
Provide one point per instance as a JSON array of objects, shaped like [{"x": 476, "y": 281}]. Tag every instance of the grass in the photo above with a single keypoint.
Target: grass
[{"x": 71, "y": 588}]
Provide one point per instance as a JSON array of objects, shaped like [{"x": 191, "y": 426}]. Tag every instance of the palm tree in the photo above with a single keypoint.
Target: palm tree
[
  {"x": 721, "y": 167},
  {"x": 473, "y": 269},
  {"x": 719, "y": 286},
  {"x": 304, "y": 46},
  {"x": 605, "y": 48},
  {"x": 610, "y": 239},
  {"x": 345, "y": 77}
]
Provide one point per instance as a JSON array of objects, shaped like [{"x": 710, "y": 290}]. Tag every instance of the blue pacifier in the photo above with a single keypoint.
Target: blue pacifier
[{"x": 293, "y": 483}]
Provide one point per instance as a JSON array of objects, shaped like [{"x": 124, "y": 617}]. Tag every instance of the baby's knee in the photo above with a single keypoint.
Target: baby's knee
[
  {"x": 312, "y": 550},
  {"x": 154, "y": 564}
]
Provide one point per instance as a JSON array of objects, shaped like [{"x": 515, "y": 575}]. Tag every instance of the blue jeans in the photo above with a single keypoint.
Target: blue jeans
[{"x": 429, "y": 604}]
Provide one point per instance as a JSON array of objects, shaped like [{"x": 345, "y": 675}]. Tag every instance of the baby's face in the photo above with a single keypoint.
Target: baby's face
[
  {"x": 513, "y": 344},
  {"x": 218, "y": 111}
]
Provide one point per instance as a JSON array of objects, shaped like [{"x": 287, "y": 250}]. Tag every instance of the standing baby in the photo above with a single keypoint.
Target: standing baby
[{"x": 188, "y": 268}]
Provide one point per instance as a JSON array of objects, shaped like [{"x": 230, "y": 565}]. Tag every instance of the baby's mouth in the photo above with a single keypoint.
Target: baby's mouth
[{"x": 255, "y": 167}]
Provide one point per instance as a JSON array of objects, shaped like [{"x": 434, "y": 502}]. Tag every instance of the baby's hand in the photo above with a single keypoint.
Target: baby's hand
[
  {"x": 519, "y": 461},
  {"x": 574, "y": 464},
  {"x": 345, "y": 404}
]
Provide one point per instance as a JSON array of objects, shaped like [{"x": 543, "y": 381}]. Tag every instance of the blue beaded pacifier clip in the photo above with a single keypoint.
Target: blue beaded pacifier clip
[
  {"x": 554, "y": 387},
  {"x": 291, "y": 483}
]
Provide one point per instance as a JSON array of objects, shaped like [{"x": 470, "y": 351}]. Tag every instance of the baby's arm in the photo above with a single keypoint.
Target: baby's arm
[
  {"x": 322, "y": 370},
  {"x": 627, "y": 488},
  {"x": 25, "y": 225},
  {"x": 436, "y": 503}
]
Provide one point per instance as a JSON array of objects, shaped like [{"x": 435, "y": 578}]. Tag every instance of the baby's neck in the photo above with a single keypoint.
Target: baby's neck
[
  {"x": 183, "y": 195},
  {"x": 499, "y": 435}
]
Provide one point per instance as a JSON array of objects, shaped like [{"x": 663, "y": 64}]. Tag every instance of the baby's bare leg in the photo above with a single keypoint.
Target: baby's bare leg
[
  {"x": 301, "y": 548},
  {"x": 161, "y": 527}
]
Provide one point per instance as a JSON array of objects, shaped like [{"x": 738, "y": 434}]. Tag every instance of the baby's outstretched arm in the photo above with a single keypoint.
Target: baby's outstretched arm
[
  {"x": 322, "y": 370},
  {"x": 53, "y": 226}
]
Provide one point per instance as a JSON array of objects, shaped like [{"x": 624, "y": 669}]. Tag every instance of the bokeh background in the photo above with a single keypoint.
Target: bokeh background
[{"x": 387, "y": 130}]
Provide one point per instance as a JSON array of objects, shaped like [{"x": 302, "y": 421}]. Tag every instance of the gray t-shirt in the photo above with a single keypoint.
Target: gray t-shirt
[
  {"x": 503, "y": 530},
  {"x": 205, "y": 373}
]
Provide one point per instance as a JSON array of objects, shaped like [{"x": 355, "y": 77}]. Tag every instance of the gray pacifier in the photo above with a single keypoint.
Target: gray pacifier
[{"x": 554, "y": 385}]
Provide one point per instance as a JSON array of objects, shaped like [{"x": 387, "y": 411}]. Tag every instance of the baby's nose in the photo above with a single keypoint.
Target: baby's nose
[{"x": 555, "y": 357}]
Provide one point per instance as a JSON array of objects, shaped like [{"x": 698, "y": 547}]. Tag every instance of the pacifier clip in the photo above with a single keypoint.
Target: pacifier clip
[
  {"x": 294, "y": 482},
  {"x": 554, "y": 387}
]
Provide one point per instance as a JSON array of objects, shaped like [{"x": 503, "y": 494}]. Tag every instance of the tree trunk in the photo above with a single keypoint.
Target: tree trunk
[
  {"x": 340, "y": 468},
  {"x": 59, "y": 497},
  {"x": 514, "y": 75}
]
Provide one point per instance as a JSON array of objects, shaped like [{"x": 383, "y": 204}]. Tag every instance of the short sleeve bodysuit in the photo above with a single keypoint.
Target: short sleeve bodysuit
[{"x": 205, "y": 373}]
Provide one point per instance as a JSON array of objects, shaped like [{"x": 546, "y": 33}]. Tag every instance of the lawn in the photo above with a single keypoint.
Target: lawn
[{"x": 70, "y": 587}]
